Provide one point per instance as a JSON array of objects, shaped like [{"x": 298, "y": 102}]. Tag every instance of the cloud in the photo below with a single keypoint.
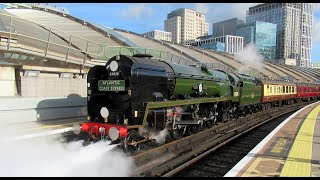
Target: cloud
[
  {"x": 316, "y": 30},
  {"x": 316, "y": 7},
  {"x": 239, "y": 10},
  {"x": 223, "y": 11},
  {"x": 136, "y": 12},
  {"x": 202, "y": 7},
  {"x": 164, "y": 4}
]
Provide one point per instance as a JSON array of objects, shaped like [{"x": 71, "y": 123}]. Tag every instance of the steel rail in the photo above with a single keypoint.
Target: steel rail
[
  {"x": 166, "y": 158},
  {"x": 197, "y": 158}
]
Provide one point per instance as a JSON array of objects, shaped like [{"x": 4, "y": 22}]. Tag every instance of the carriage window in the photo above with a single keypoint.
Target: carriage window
[
  {"x": 293, "y": 89},
  {"x": 270, "y": 89},
  {"x": 275, "y": 89},
  {"x": 283, "y": 89},
  {"x": 279, "y": 89},
  {"x": 286, "y": 89}
]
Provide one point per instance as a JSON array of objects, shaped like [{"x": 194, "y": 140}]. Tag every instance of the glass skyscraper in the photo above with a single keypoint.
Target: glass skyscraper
[
  {"x": 227, "y": 43},
  {"x": 262, "y": 34},
  {"x": 218, "y": 46},
  {"x": 294, "y": 28}
]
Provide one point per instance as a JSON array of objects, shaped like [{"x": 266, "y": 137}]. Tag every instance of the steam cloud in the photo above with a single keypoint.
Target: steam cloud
[
  {"x": 161, "y": 137},
  {"x": 250, "y": 57},
  {"x": 48, "y": 157}
]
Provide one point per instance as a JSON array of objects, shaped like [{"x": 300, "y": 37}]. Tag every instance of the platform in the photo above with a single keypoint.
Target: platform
[
  {"x": 290, "y": 150},
  {"x": 33, "y": 129}
]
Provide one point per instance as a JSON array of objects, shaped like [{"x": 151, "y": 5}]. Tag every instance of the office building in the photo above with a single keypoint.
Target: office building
[
  {"x": 185, "y": 24},
  {"x": 316, "y": 65},
  {"x": 294, "y": 28},
  {"x": 227, "y": 27},
  {"x": 159, "y": 35},
  {"x": 262, "y": 34},
  {"x": 231, "y": 44}
]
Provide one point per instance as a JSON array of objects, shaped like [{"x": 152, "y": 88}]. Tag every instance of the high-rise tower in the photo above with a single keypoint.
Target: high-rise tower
[
  {"x": 185, "y": 24},
  {"x": 294, "y": 28}
]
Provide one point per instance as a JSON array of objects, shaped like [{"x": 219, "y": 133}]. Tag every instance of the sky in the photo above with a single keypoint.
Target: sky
[{"x": 144, "y": 17}]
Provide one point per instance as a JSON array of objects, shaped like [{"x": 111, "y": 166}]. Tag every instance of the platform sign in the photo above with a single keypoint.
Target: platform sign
[{"x": 111, "y": 85}]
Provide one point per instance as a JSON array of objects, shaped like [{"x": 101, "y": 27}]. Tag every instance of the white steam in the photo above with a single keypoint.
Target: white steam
[
  {"x": 161, "y": 137},
  {"x": 48, "y": 157},
  {"x": 250, "y": 57}
]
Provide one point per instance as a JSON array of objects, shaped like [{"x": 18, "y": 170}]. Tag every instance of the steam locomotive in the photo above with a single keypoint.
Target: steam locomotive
[{"x": 133, "y": 98}]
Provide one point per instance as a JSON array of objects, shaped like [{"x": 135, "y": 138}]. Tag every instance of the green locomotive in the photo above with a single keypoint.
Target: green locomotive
[{"x": 132, "y": 98}]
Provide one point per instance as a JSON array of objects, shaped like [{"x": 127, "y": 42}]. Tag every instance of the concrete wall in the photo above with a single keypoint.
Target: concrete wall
[
  {"x": 7, "y": 81},
  {"x": 17, "y": 110},
  {"x": 50, "y": 85},
  {"x": 44, "y": 96}
]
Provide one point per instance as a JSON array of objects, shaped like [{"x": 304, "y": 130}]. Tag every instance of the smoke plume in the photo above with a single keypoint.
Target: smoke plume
[{"x": 250, "y": 57}]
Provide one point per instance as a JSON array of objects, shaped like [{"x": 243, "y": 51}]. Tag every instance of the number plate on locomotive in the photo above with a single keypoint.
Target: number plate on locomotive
[{"x": 111, "y": 85}]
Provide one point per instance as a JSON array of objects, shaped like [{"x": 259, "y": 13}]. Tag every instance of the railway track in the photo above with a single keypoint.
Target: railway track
[
  {"x": 219, "y": 162},
  {"x": 171, "y": 158}
]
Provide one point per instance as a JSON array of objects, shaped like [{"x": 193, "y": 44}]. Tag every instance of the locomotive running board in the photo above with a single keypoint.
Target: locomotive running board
[{"x": 153, "y": 105}]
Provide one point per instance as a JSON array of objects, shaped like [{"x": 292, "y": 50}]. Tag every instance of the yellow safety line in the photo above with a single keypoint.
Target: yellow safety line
[
  {"x": 52, "y": 126},
  {"x": 298, "y": 163}
]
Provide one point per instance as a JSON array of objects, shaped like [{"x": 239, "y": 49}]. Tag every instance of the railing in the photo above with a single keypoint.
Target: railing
[
  {"x": 72, "y": 52},
  {"x": 111, "y": 51},
  {"x": 47, "y": 47},
  {"x": 102, "y": 52}
]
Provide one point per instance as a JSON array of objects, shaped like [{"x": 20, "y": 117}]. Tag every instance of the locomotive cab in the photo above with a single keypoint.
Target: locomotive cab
[{"x": 235, "y": 84}]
